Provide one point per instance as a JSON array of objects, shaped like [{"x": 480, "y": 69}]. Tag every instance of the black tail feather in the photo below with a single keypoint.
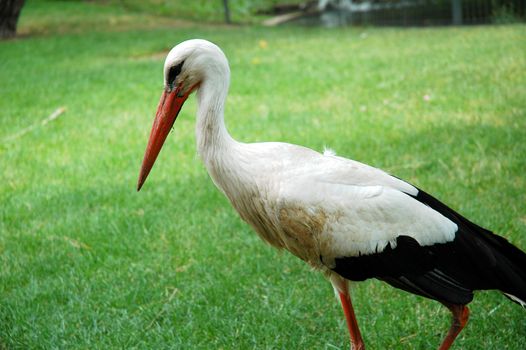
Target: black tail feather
[{"x": 508, "y": 261}]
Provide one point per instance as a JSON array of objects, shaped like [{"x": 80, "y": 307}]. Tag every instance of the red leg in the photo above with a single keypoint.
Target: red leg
[
  {"x": 356, "y": 338},
  {"x": 460, "y": 319}
]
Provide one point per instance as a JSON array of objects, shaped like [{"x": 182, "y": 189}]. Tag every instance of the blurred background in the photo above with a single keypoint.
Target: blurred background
[{"x": 314, "y": 12}]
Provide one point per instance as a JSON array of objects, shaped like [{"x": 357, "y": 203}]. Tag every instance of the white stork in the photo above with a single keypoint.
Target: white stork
[{"x": 347, "y": 219}]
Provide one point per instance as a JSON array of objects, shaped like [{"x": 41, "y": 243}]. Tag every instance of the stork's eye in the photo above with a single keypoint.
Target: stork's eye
[{"x": 173, "y": 73}]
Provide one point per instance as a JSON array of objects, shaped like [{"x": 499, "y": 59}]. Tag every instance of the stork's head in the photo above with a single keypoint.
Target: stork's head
[{"x": 187, "y": 66}]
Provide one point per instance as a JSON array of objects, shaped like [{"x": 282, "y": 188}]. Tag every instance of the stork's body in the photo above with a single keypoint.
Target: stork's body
[{"x": 345, "y": 218}]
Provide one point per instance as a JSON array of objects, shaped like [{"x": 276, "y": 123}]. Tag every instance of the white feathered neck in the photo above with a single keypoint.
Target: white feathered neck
[{"x": 212, "y": 136}]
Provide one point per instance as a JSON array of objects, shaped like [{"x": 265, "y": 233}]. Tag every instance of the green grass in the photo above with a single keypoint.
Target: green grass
[{"x": 88, "y": 263}]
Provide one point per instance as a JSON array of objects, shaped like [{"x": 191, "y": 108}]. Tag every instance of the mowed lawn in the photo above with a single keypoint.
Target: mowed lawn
[{"x": 86, "y": 262}]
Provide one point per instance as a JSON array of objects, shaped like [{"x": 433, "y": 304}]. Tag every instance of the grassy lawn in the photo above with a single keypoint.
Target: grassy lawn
[{"x": 86, "y": 262}]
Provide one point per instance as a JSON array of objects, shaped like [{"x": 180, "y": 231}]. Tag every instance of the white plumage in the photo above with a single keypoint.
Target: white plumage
[{"x": 361, "y": 209}]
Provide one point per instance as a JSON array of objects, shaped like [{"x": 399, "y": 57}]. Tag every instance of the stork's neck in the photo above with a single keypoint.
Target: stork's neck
[{"x": 212, "y": 136}]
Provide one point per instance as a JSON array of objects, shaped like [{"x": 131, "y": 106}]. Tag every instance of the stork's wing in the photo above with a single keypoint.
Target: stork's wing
[
  {"x": 380, "y": 226},
  {"x": 363, "y": 219},
  {"x": 366, "y": 208}
]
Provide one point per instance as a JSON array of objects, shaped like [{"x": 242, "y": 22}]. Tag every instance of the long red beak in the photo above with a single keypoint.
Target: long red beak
[{"x": 169, "y": 107}]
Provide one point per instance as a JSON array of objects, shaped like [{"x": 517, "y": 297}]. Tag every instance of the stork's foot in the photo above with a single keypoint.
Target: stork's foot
[{"x": 460, "y": 319}]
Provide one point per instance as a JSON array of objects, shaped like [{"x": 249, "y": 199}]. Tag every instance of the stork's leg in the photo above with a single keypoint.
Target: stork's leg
[
  {"x": 341, "y": 286},
  {"x": 460, "y": 319},
  {"x": 352, "y": 324}
]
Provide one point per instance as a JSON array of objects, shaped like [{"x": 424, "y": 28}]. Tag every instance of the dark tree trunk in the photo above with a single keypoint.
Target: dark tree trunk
[
  {"x": 227, "y": 11},
  {"x": 9, "y": 12}
]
